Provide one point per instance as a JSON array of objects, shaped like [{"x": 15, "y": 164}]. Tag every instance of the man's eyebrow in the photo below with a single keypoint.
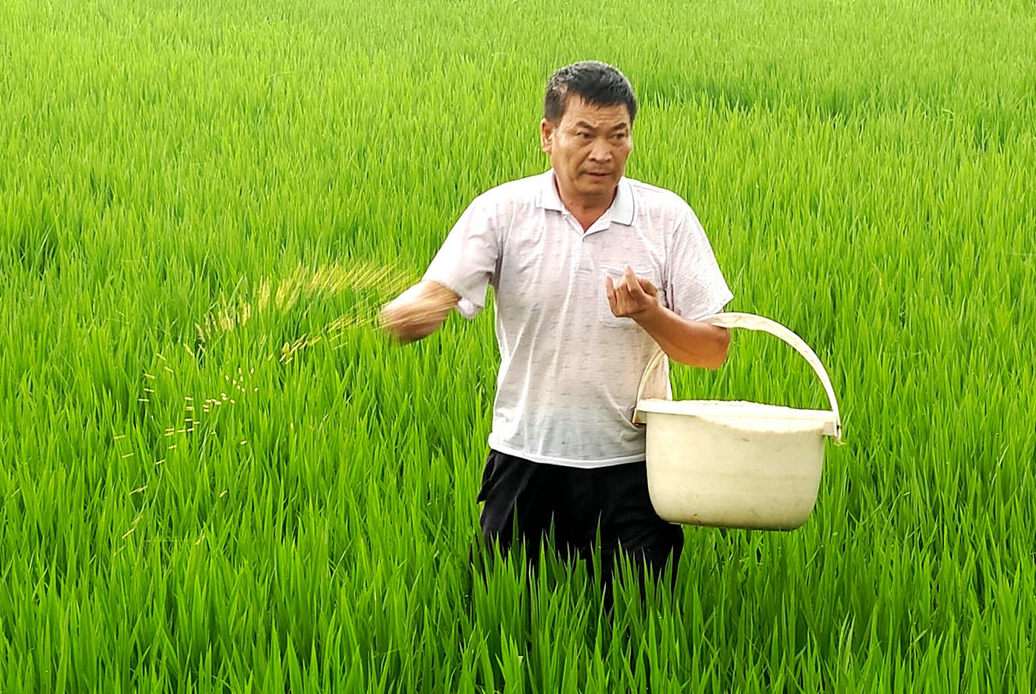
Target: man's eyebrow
[{"x": 591, "y": 126}]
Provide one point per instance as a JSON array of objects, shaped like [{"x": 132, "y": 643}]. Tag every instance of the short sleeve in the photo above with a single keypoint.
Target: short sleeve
[
  {"x": 467, "y": 260},
  {"x": 696, "y": 284}
]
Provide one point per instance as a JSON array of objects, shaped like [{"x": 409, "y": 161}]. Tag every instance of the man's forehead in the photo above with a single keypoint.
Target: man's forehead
[{"x": 580, "y": 111}]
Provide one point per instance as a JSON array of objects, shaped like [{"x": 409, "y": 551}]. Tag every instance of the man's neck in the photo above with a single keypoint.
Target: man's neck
[{"x": 586, "y": 211}]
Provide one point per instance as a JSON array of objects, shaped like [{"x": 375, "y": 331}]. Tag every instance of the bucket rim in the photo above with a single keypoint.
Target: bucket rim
[{"x": 736, "y": 409}]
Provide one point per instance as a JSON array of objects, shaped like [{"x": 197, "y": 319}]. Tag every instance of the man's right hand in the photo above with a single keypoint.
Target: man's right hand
[{"x": 417, "y": 312}]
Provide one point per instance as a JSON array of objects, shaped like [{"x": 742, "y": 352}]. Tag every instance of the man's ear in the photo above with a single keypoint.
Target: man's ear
[{"x": 546, "y": 135}]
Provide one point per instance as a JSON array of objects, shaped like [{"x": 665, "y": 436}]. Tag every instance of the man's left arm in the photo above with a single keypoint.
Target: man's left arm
[{"x": 684, "y": 340}]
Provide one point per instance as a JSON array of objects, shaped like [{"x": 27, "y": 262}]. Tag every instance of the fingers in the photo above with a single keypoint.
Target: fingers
[
  {"x": 632, "y": 283},
  {"x": 635, "y": 282},
  {"x": 639, "y": 288},
  {"x": 630, "y": 296}
]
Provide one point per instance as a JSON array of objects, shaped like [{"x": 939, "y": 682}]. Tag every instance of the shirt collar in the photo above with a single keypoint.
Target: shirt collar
[{"x": 622, "y": 210}]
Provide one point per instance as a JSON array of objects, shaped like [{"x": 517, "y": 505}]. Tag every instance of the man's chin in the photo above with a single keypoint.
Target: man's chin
[{"x": 600, "y": 183}]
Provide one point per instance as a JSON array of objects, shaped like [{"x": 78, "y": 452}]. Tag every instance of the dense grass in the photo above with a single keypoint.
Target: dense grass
[{"x": 217, "y": 477}]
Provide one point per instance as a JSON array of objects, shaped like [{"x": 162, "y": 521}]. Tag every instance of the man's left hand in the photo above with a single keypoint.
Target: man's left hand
[{"x": 632, "y": 296}]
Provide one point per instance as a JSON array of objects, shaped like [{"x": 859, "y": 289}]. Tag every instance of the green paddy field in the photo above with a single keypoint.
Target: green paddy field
[{"x": 216, "y": 476}]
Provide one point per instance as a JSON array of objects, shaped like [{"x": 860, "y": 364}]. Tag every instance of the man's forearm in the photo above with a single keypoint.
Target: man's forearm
[
  {"x": 686, "y": 341},
  {"x": 417, "y": 312}
]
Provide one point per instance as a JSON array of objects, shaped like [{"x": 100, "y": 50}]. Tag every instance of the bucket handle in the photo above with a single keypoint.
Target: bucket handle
[{"x": 749, "y": 321}]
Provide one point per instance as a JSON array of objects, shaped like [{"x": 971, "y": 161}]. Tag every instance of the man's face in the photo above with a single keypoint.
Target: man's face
[{"x": 588, "y": 149}]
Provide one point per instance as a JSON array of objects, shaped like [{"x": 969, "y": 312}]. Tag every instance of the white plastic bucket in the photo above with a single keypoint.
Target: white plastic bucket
[{"x": 737, "y": 464}]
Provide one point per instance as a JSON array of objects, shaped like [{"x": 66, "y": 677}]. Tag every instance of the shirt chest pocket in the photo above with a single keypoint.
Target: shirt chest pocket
[{"x": 604, "y": 310}]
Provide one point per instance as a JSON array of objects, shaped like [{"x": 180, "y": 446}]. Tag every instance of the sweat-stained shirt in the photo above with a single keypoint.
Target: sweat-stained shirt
[{"x": 569, "y": 369}]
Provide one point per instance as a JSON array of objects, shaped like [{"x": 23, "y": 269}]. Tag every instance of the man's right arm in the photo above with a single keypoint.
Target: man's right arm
[{"x": 417, "y": 312}]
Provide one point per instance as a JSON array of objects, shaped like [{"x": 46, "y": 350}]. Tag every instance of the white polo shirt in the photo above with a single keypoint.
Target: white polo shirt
[{"x": 569, "y": 369}]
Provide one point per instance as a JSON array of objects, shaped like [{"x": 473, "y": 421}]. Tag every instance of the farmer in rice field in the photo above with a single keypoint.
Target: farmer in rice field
[{"x": 592, "y": 273}]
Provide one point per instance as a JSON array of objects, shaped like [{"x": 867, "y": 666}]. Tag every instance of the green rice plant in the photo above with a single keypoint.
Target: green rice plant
[{"x": 218, "y": 476}]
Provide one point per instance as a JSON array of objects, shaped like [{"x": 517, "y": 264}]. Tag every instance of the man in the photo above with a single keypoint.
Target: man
[{"x": 592, "y": 273}]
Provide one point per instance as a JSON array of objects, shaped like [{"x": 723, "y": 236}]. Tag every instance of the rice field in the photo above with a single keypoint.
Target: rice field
[{"x": 217, "y": 476}]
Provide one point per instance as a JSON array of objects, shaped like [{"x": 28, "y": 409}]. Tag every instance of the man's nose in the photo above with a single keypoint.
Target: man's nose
[{"x": 600, "y": 150}]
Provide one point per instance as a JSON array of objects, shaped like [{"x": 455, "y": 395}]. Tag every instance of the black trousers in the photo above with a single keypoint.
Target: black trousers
[{"x": 527, "y": 501}]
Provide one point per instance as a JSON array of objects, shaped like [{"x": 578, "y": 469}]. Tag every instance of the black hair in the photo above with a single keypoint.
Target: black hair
[{"x": 597, "y": 83}]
